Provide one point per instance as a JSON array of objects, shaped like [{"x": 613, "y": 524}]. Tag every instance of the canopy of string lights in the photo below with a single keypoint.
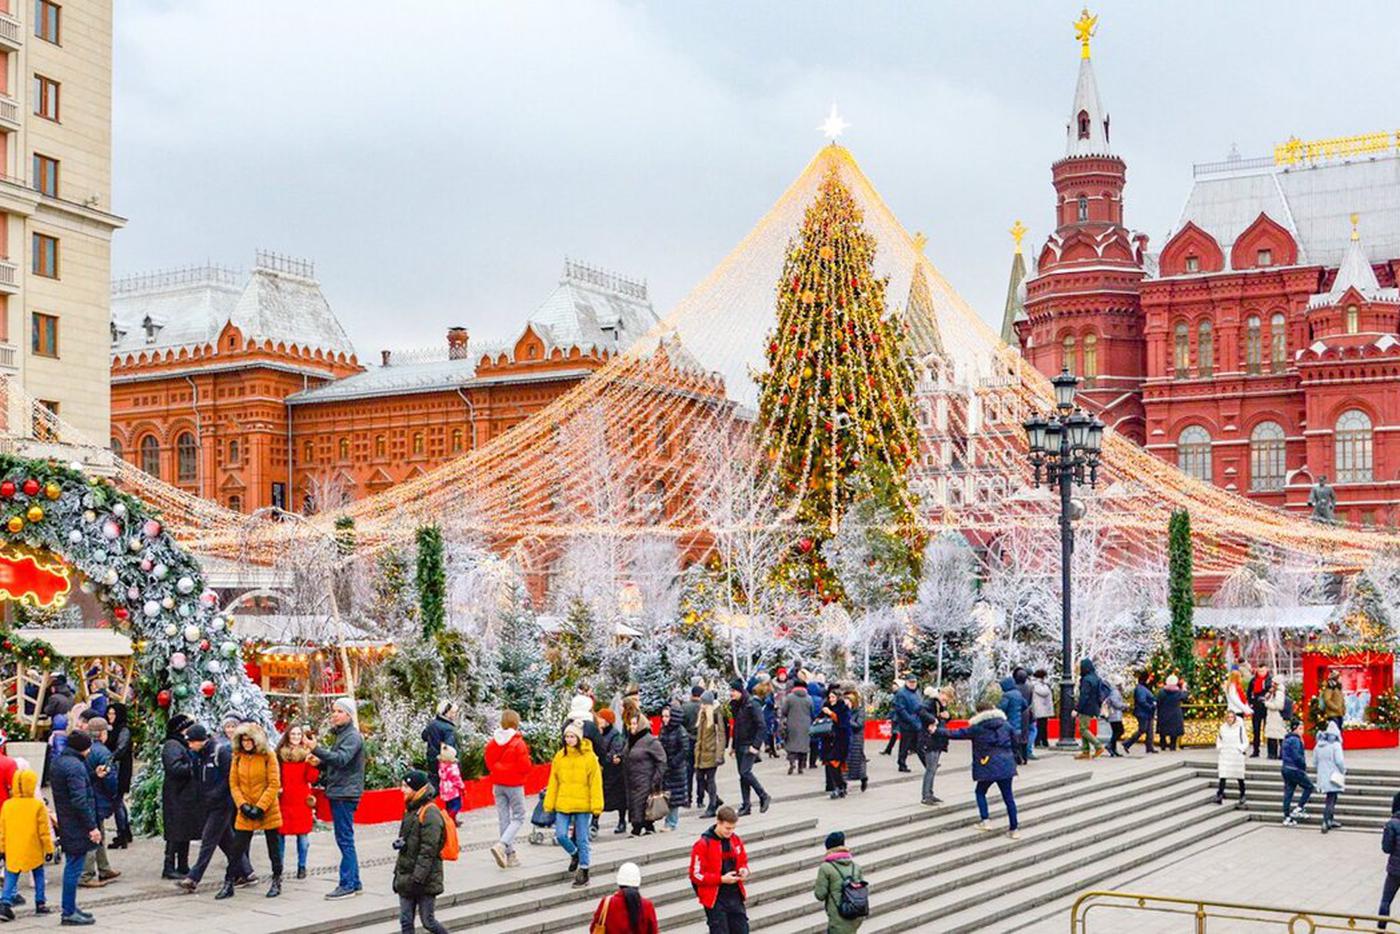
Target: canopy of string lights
[{"x": 667, "y": 439}]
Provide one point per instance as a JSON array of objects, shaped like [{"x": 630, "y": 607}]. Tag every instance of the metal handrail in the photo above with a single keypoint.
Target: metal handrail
[{"x": 1292, "y": 920}]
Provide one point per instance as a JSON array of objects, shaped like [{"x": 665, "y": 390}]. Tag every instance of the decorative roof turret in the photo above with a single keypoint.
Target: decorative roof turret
[
  {"x": 1086, "y": 133},
  {"x": 1015, "y": 309},
  {"x": 1355, "y": 272}
]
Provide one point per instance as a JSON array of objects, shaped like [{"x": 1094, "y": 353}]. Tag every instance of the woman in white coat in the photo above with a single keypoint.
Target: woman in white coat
[
  {"x": 1274, "y": 727},
  {"x": 1231, "y": 745},
  {"x": 1331, "y": 772}
]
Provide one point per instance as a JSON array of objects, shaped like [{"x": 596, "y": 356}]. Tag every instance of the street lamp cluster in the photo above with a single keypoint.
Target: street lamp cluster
[{"x": 1064, "y": 450}]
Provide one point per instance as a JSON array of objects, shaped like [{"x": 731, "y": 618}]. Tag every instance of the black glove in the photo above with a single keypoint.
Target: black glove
[{"x": 252, "y": 812}]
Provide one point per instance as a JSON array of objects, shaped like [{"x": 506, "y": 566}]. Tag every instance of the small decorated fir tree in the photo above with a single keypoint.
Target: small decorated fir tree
[{"x": 524, "y": 675}]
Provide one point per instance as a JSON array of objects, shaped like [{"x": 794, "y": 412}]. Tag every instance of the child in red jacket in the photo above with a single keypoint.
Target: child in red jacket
[
  {"x": 508, "y": 762},
  {"x": 719, "y": 864}
]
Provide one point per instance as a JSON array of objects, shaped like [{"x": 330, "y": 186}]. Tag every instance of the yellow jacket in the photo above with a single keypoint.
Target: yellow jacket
[
  {"x": 575, "y": 782},
  {"x": 25, "y": 836}
]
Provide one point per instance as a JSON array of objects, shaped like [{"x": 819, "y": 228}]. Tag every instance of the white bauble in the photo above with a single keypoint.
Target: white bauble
[
  {"x": 119, "y": 510},
  {"x": 88, "y": 502},
  {"x": 75, "y": 536},
  {"x": 216, "y": 624},
  {"x": 186, "y": 610},
  {"x": 152, "y": 608},
  {"x": 109, "y": 577},
  {"x": 178, "y": 661},
  {"x": 159, "y": 572},
  {"x": 214, "y": 666},
  {"x": 171, "y": 629},
  {"x": 167, "y": 603},
  {"x": 110, "y": 529},
  {"x": 191, "y": 633},
  {"x": 133, "y": 593},
  {"x": 185, "y": 585}
]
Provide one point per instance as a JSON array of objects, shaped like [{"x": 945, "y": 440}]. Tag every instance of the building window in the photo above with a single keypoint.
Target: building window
[
  {"x": 308, "y": 452},
  {"x": 46, "y": 175},
  {"x": 44, "y": 261},
  {"x": 150, "y": 455},
  {"x": 186, "y": 458},
  {"x": 1067, "y": 358},
  {"x": 1264, "y": 258},
  {"x": 456, "y": 441},
  {"x": 1193, "y": 264},
  {"x": 1267, "y": 456},
  {"x": 1193, "y": 453},
  {"x": 1091, "y": 360},
  {"x": 1278, "y": 343},
  {"x": 46, "y": 20},
  {"x": 1181, "y": 350},
  {"x": 1253, "y": 347},
  {"x": 235, "y": 503},
  {"x": 1205, "y": 350},
  {"x": 1083, "y": 124},
  {"x": 1083, "y": 208},
  {"x": 1353, "y": 320},
  {"x": 1353, "y": 447},
  {"x": 46, "y": 97},
  {"x": 233, "y": 451},
  {"x": 116, "y": 448},
  {"x": 44, "y": 334},
  {"x": 417, "y": 443},
  {"x": 344, "y": 448},
  {"x": 380, "y": 446},
  {"x": 43, "y": 425}
]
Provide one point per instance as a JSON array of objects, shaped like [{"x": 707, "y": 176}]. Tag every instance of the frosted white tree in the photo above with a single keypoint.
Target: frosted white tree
[
  {"x": 1273, "y": 581},
  {"x": 947, "y": 593}
]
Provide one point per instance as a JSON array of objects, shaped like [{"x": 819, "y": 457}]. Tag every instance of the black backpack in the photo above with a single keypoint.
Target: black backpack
[{"x": 855, "y": 895}]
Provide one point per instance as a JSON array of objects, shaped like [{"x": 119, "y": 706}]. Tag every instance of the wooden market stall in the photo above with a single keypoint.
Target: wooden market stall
[
  {"x": 87, "y": 654},
  {"x": 302, "y": 661}
]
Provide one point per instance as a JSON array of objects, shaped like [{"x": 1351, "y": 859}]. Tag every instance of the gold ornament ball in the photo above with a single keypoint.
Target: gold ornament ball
[
  {"x": 53, "y": 490},
  {"x": 35, "y": 513},
  {"x": 826, "y": 252},
  {"x": 15, "y": 524}
]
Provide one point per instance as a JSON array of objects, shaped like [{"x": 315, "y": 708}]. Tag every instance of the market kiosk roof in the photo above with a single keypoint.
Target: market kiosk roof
[{"x": 83, "y": 643}]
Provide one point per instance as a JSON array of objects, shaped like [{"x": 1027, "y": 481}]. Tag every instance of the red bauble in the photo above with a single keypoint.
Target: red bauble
[
  {"x": 7, "y": 489},
  {"x": 773, "y": 347},
  {"x": 7, "y": 645},
  {"x": 805, "y": 545},
  {"x": 207, "y": 688},
  {"x": 121, "y": 612},
  {"x": 163, "y": 699},
  {"x": 31, "y": 487},
  {"x": 204, "y": 645}
]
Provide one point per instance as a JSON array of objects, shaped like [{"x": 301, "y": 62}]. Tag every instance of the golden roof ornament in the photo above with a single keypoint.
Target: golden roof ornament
[
  {"x": 1084, "y": 29},
  {"x": 1018, "y": 231},
  {"x": 920, "y": 241},
  {"x": 1355, "y": 234}
]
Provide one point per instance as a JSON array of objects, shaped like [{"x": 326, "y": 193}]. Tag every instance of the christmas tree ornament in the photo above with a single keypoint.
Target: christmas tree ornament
[
  {"x": 216, "y": 624},
  {"x": 207, "y": 688},
  {"x": 146, "y": 564},
  {"x": 119, "y": 510},
  {"x": 110, "y": 529},
  {"x": 135, "y": 544},
  {"x": 15, "y": 524},
  {"x": 53, "y": 490},
  {"x": 167, "y": 602},
  {"x": 191, "y": 633},
  {"x": 133, "y": 592},
  {"x": 181, "y": 691},
  {"x": 121, "y": 613},
  {"x": 31, "y": 487},
  {"x": 178, "y": 661},
  {"x": 152, "y": 608},
  {"x": 159, "y": 572},
  {"x": 184, "y": 584},
  {"x": 204, "y": 645},
  {"x": 151, "y": 527},
  {"x": 213, "y": 666},
  {"x": 163, "y": 699},
  {"x": 228, "y": 649},
  {"x": 109, "y": 577},
  {"x": 89, "y": 516},
  {"x": 7, "y": 489},
  {"x": 171, "y": 629},
  {"x": 75, "y": 537}
]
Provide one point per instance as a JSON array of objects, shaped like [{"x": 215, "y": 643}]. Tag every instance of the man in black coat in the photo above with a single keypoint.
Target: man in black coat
[
  {"x": 748, "y": 745},
  {"x": 441, "y": 731},
  {"x": 76, "y": 810},
  {"x": 690, "y": 719},
  {"x": 1144, "y": 709},
  {"x": 212, "y": 763},
  {"x": 1255, "y": 692}
]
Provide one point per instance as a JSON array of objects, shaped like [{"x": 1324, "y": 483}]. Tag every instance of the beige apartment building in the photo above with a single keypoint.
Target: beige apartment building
[{"x": 56, "y": 221}]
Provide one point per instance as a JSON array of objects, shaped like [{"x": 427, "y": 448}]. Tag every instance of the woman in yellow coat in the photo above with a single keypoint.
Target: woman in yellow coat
[
  {"x": 255, "y": 781},
  {"x": 25, "y": 839},
  {"x": 575, "y": 795}
]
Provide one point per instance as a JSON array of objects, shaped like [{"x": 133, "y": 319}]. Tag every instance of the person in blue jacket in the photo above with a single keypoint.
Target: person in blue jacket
[
  {"x": 816, "y": 690},
  {"x": 1295, "y": 775},
  {"x": 76, "y": 811},
  {"x": 1013, "y": 704},
  {"x": 906, "y": 719},
  {"x": 993, "y": 761},
  {"x": 1144, "y": 709}
]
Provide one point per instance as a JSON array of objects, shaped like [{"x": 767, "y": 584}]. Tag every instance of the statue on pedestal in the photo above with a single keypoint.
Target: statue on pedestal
[{"x": 1323, "y": 500}]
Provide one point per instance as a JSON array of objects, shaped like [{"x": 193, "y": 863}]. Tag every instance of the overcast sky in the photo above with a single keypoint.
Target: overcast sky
[{"x": 437, "y": 159}]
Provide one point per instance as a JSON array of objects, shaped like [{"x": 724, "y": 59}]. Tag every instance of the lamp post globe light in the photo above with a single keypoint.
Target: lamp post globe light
[{"x": 1064, "y": 450}]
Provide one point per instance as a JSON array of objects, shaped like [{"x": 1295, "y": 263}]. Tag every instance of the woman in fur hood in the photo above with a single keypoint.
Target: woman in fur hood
[
  {"x": 296, "y": 799},
  {"x": 993, "y": 760},
  {"x": 254, "y": 779}
]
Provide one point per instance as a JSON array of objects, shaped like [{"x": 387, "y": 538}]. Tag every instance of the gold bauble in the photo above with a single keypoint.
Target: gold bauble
[
  {"x": 15, "y": 524},
  {"x": 826, "y": 252},
  {"x": 53, "y": 490},
  {"x": 35, "y": 513}
]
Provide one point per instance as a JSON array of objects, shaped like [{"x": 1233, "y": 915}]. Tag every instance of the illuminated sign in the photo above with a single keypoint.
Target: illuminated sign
[
  {"x": 1338, "y": 147},
  {"x": 33, "y": 580}
]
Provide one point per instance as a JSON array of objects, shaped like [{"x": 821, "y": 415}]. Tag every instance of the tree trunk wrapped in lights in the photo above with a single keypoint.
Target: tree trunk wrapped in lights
[
  {"x": 1181, "y": 594},
  {"x": 835, "y": 397}
]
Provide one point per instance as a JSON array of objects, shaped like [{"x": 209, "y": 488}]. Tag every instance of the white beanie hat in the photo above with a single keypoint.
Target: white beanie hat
[
  {"x": 345, "y": 704},
  {"x": 629, "y": 875},
  {"x": 581, "y": 707},
  {"x": 1173, "y": 681}
]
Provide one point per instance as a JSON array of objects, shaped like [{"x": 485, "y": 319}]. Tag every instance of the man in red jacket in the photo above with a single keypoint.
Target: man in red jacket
[
  {"x": 508, "y": 762},
  {"x": 719, "y": 865}
]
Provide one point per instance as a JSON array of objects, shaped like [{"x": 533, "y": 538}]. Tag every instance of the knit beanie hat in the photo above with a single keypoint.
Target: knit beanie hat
[
  {"x": 345, "y": 704},
  {"x": 415, "y": 779},
  {"x": 447, "y": 754},
  {"x": 581, "y": 707},
  {"x": 736, "y": 685},
  {"x": 697, "y": 691},
  {"x": 708, "y": 697},
  {"x": 79, "y": 742},
  {"x": 629, "y": 875},
  {"x": 834, "y": 839},
  {"x": 607, "y": 716},
  {"x": 196, "y": 732}
]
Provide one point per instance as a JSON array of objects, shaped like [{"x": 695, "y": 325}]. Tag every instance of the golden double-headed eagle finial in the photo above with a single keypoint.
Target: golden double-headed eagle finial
[
  {"x": 1084, "y": 29},
  {"x": 1018, "y": 232}
]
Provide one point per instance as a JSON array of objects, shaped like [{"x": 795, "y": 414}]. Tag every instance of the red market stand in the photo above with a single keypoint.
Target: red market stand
[
  {"x": 1361, "y": 669},
  {"x": 385, "y": 805}
]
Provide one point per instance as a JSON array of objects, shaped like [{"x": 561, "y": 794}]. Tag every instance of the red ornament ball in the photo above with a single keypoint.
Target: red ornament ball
[
  {"x": 7, "y": 489},
  {"x": 7, "y": 645},
  {"x": 163, "y": 699},
  {"x": 31, "y": 487},
  {"x": 207, "y": 688},
  {"x": 204, "y": 645},
  {"x": 121, "y": 612},
  {"x": 805, "y": 545}
]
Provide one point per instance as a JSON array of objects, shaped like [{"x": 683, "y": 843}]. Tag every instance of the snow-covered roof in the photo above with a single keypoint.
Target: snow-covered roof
[
  {"x": 1086, "y": 101},
  {"x": 1357, "y": 273},
  {"x": 1253, "y": 618},
  {"x": 280, "y": 301},
  {"x": 1313, "y": 202},
  {"x": 83, "y": 643},
  {"x": 293, "y": 629}
]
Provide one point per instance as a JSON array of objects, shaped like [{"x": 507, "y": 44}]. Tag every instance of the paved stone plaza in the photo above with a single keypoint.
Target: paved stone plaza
[{"x": 1249, "y": 861}]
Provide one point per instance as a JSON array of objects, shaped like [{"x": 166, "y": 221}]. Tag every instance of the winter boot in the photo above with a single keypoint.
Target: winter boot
[
  {"x": 621, "y": 825},
  {"x": 275, "y": 889},
  {"x": 226, "y": 890},
  {"x": 301, "y": 872},
  {"x": 580, "y": 878},
  {"x": 1240, "y": 804},
  {"x": 573, "y": 863}
]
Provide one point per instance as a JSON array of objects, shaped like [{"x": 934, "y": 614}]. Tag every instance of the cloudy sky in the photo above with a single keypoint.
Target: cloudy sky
[{"x": 439, "y": 158}]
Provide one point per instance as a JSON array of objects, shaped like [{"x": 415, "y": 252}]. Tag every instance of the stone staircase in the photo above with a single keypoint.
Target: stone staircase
[
  {"x": 930, "y": 869},
  {"x": 1365, "y": 805}
]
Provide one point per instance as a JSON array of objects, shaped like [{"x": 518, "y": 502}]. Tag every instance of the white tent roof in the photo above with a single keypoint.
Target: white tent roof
[
  {"x": 1254, "y": 618},
  {"x": 80, "y": 643}
]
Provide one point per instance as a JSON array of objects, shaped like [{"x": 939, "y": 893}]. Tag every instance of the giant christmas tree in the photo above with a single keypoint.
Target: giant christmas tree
[{"x": 835, "y": 397}]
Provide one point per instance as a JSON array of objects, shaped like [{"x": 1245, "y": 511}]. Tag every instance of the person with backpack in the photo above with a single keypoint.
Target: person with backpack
[
  {"x": 841, "y": 887},
  {"x": 1092, "y": 694},
  {"x": 625, "y": 911},
  {"x": 418, "y": 868}
]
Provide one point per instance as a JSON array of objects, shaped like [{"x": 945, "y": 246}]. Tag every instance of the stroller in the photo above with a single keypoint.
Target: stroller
[{"x": 540, "y": 821}]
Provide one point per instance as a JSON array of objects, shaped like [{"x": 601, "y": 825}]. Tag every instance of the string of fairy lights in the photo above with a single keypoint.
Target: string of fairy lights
[{"x": 648, "y": 420}]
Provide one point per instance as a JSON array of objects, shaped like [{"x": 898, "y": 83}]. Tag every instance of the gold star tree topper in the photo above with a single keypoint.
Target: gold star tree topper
[
  {"x": 833, "y": 126},
  {"x": 1084, "y": 29}
]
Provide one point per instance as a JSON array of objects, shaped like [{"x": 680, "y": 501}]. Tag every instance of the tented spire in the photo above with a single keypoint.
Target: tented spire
[{"x": 1087, "y": 131}]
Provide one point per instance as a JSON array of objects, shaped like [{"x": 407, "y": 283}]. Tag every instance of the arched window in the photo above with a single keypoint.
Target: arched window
[
  {"x": 116, "y": 448},
  {"x": 186, "y": 458},
  {"x": 1083, "y": 208},
  {"x": 380, "y": 446},
  {"x": 1205, "y": 350},
  {"x": 1193, "y": 453},
  {"x": 1353, "y": 447},
  {"x": 344, "y": 448},
  {"x": 418, "y": 443},
  {"x": 150, "y": 455},
  {"x": 1067, "y": 360},
  {"x": 1253, "y": 347},
  {"x": 1181, "y": 350},
  {"x": 233, "y": 451},
  {"x": 1091, "y": 360},
  {"x": 1278, "y": 343},
  {"x": 1353, "y": 320},
  {"x": 1083, "y": 124},
  {"x": 1267, "y": 459},
  {"x": 456, "y": 441},
  {"x": 235, "y": 503}
]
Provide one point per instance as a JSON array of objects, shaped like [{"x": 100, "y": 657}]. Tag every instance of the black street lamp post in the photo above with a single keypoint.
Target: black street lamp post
[{"x": 1065, "y": 445}]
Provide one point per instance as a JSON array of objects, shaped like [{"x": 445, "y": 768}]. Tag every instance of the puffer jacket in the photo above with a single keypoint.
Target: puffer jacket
[
  {"x": 1013, "y": 704},
  {"x": 1042, "y": 699},
  {"x": 711, "y": 738},
  {"x": 418, "y": 868},
  {"x": 836, "y": 868},
  {"x": 507, "y": 758},
  {"x": 797, "y": 718},
  {"x": 674, "y": 743},
  {"x": 1091, "y": 693},
  {"x": 73, "y": 803},
  {"x": 993, "y": 758},
  {"x": 613, "y": 745},
  {"x": 933, "y": 718},
  {"x": 906, "y": 709},
  {"x": 439, "y": 732},
  {"x": 1295, "y": 759},
  {"x": 255, "y": 779},
  {"x": 104, "y": 790},
  {"x": 1327, "y": 757},
  {"x": 1114, "y": 706},
  {"x": 1389, "y": 838},
  {"x": 342, "y": 764},
  {"x": 575, "y": 782},
  {"x": 645, "y": 768},
  {"x": 25, "y": 836}
]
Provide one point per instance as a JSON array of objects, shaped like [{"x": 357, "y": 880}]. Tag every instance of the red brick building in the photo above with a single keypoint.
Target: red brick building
[
  {"x": 245, "y": 389},
  {"x": 1258, "y": 350}
]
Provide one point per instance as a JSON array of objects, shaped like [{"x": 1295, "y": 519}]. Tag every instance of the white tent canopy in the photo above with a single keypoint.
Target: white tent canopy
[{"x": 83, "y": 643}]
